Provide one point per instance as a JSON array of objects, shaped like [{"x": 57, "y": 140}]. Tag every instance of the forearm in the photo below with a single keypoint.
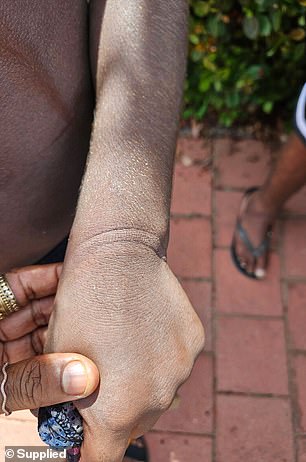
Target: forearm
[{"x": 141, "y": 68}]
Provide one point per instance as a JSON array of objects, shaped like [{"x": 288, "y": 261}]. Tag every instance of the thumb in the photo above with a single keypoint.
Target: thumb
[{"x": 48, "y": 379}]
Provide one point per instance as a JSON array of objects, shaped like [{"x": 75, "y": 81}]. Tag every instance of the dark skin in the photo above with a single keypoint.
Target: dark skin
[
  {"x": 263, "y": 207},
  {"x": 34, "y": 379},
  {"x": 118, "y": 302},
  {"x": 47, "y": 101}
]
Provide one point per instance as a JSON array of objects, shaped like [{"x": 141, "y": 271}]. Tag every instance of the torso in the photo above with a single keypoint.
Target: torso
[{"x": 46, "y": 111}]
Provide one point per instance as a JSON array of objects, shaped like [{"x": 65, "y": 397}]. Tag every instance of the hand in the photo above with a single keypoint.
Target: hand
[
  {"x": 34, "y": 381},
  {"x": 128, "y": 313}
]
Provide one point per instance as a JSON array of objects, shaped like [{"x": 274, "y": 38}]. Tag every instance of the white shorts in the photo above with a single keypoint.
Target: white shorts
[{"x": 300, "y": 114}]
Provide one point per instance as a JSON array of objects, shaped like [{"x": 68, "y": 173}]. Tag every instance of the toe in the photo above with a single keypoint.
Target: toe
[
  {"x": 245, "y": 258},
  {"x": 260, "y": 267}
]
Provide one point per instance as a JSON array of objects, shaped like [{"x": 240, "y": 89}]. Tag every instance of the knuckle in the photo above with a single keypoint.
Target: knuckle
[
  {"x": 39, "y": 312},
  {"x": 165, "y": 400},
  {"x": 194, "y": 341},
  {"x": 3, "y": 336},
  {"x": 163, "y": 390},
  {"x": 199, "y": 339},
  {"x": 26, "y": 386},
  {"x": 36, "y": 341},
  {"x": 3, "y": 354}
]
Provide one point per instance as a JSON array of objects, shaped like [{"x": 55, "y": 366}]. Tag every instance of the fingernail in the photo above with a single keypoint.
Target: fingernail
[
  {"x": 260, "y": 273},
  {"x": 74, "y": 378}
]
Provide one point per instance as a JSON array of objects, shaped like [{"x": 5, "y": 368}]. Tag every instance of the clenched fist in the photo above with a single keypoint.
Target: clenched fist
[{"x": 119, "y": 304}]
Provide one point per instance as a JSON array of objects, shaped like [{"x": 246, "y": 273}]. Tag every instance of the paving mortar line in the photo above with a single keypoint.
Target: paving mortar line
[
  {"x": 291, "y": 385},
  {"x": 213, "y": 302},
  {"x": 176, "y": 432}
]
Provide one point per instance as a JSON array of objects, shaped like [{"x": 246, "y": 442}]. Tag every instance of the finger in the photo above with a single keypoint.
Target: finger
[
  {"x": 49, "y": 379},
  {"x": 27, "y": 346},
  {"x": 102, "y": 444},
  {"x": 35, "y": 314},
  {"x": 34, "y": 282}
]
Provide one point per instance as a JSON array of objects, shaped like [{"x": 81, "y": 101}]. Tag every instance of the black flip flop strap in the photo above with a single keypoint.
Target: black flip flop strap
[
  {"x": 255, "y": 251},
  {"x": 136, "y": 453}
]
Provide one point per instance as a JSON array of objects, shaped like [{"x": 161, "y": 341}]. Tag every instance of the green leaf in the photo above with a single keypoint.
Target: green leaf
[
  {"x": 265, "y": 26},
  {"x": 187, "y": 113},
  {"x": 226, "y": 119},
  {"x": 215, "y": 26},
  {"x": 299, "y": 51},
  {"x": 208, "y": 64},
  {"x": 202, "y": 111},
  {"x": 218, "y": 85},
  {"x": 201, "y": 9},
  {"x": 194, "y": 39},
  {"x": 196, "y": 55},
  {"x": 276, "y": 18},
  {"x": 255, "y": 72},
  {"x": 205, "y": 84},
  {"x": 232, "y": 99},
  {"x": 251, "y": 27},
  {"x": 267, "y": 107}
]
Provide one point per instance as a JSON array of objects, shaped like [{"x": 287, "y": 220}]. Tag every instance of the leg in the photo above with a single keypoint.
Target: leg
[{"x": 262, "y": 208}]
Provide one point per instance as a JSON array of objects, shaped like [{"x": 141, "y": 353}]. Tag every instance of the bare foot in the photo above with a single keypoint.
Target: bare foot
[{"x": 256, "y": 219}]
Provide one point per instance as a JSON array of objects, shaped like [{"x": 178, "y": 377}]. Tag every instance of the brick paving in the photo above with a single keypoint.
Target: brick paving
[
  {"x": 246, "y": 397},
  {"x": 256, "y": 340}
]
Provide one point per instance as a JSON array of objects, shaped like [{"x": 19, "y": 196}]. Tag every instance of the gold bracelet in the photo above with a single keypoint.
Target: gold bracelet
[{"x": 8, "y": 303}]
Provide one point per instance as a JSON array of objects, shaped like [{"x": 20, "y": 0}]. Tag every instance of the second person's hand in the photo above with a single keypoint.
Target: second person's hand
[{"x": 33, "y": 379}]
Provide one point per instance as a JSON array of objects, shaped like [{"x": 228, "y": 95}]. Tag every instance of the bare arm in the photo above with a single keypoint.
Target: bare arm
[
  {"x": 141, "y": 68},
  {"x": 125, "y": 309}
]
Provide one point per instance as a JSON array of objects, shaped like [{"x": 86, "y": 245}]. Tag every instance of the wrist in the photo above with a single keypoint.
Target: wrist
[{"x": 157, "y": 243}]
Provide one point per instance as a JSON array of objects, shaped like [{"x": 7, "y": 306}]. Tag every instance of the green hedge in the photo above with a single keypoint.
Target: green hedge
[{"x": 246, "y": 58}]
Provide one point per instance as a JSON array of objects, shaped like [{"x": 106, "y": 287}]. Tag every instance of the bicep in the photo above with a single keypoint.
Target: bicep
[{"x": 145, "y": 37}]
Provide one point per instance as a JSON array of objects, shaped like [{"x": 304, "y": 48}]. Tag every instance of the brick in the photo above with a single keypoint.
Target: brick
[
  {"x": 296, "y": 205},
  {"x": 294, "y": 245},
  {"x": 194, "y": 411},
  {"x": 193, "y": 150},
  {"x": 179, "y": 448},
  {"x": 191, "y": 190},
  {"x": 18, "y": 433},
  {"x": 299, "y": 379},
  {"x": 235, "y": 293},
  {"x": 241, "y": 164},
  {"x": 302, "y": 450},
  {"x": 253, "y": 430},
  {"x": 297, "y": 316},
  {"x": 251, "y": 356},
  {"x": 199, "y": 293},
  {"x": 189, "y": 252},
  {"x": 19, "y": 415},
  {"x": 227, "y": 207}
]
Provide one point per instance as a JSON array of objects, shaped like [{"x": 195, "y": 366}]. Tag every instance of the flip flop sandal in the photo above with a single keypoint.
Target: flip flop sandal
[
  {"x": 138, "y": 450},
  {"x": 256, "y": 252}
]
